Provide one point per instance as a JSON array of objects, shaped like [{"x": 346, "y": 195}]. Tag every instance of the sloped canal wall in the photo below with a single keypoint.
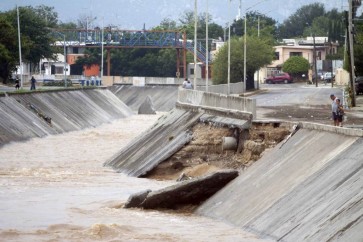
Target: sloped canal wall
[{"x": 38, "y": 114}]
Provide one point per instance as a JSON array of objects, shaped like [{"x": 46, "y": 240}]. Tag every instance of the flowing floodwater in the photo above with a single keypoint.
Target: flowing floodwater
[{"x": 56, "y": 189}]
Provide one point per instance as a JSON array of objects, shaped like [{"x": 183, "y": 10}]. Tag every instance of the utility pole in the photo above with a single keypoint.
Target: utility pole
[
  {"x": 207, "y": 51},
  {"x": 195, "y": 43},
  {"x": 314, "y": 61},
  {"x": 229, "y": 50},
  {"x": 351, "y": 49},
  {"x": 19, "y": 39}
]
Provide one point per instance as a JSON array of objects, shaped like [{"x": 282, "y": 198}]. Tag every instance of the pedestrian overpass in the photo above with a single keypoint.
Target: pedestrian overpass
[{"x": 153, "y": 39}]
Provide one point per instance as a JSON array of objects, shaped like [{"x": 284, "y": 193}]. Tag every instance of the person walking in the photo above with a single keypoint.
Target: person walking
[
  {"x": 32, "y": 83},
  {"x": 334, "y": 109}
]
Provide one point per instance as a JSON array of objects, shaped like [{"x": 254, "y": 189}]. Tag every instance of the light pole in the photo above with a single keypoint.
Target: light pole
[
  {"x": 245, "y": 54},
  {"x": 20, "y": 59},
  {"x": 64, "y": 53},
  {"x": 195, "y": 43},
  {"x": 65, "y": 61},
  {"x": 229, "y": 50},
  {"x": 101, "y": 75},
  {"x": 207, "y": 51},
  {"x": 245, "y": 46}
]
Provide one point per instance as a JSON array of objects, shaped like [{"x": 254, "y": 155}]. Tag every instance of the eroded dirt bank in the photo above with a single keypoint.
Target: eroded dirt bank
[{"x": 205, "y": 153}]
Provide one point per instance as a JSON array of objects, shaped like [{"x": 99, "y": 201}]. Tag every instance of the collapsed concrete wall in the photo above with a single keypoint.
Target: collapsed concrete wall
[
  {"x": 171, "y": 132},
  {"x": 308, "y": 189},
  {"x": 158, "y": 143},
  {"x": 42, "y": 113}
]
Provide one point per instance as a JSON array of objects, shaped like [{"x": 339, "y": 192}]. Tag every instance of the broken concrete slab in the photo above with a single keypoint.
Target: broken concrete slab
[
  {"x": 147, "y": 107},
  {"x": 136, "y": 199},
  {"x": 186, "y": 192},
  {"x": 169, "y": 134}
]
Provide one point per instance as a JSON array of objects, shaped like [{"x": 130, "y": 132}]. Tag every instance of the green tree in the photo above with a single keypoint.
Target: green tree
[
  {"x": 8, "y": 49},
  {"x": 294, "y": 26},
  {"x": 257, "y": 24},
  {"x": 92, "y": 56},
  {"x": 48, "y": 14},
  {"x": 296, "y": 66},
  {"x": 319, "y": 27},
  {"x": 358, "y": 50},
  {"x": 35, "y": 39},
  {"x": 259, "y": 54}
]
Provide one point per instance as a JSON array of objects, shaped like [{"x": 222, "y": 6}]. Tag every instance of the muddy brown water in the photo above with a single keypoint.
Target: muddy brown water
[{"x": 56, "y": 189}]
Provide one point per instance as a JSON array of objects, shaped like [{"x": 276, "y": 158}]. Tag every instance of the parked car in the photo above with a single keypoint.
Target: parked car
[
  {"x": 320, "y": 76},
  {"x": 359, "y": 85},
  {"x": 328, "y": 77},
  {"x": 279, "y": 78}
]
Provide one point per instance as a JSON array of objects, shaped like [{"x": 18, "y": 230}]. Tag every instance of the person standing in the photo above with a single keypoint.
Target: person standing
[
  {"x": 32, "y": 83},
  {"x": 17, "y": 85},
  {"x": 340, "y": 113},
  {"x": 185, "y": 82},
  {"x": 334, "y": 109},
  {"x": 188, "y": 85}
]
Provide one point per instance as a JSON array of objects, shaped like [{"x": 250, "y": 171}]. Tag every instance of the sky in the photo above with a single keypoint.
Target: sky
[{"x": 133, "y": 14}]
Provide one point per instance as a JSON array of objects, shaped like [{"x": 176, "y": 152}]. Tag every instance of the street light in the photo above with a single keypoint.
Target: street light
[
  {"x": 258, "y": 35},
  {"x": 207, "y": 51},
  {"x": 65, "y": 57},
  {"x": 245, "y": 54},
  {"x": 65, "y": 60},
  {"x": 229, "y": 50},
  {"x": 20, "y": 59},
  {"x": 101, "y": 75},
  {"x": 245, "y": 45},
  {"x": 195, "y": 43}
]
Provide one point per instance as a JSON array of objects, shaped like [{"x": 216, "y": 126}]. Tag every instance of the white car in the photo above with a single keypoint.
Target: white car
[{"x": 328, "y": 77}]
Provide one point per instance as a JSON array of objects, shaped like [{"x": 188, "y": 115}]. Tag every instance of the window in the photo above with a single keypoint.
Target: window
[
  {"x": 295, "y": 54},
  {"x": 277, "y": 56},
  {"x": 191, "y": 71},
  {"x": 59, "y": 69}
]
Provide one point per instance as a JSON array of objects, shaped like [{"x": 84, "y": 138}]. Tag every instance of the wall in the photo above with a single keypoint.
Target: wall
[
  {"x": 235, "y": 88},
  {"x": 341, "y": 77},
  {"x": 217, "y": 100}
]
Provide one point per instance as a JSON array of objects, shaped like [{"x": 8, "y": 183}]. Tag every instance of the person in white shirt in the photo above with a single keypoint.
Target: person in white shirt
[
  {"x": 188, "y": 85},
  {"x": 334, "y": 109},
  {"x": 185, "y": 82}
]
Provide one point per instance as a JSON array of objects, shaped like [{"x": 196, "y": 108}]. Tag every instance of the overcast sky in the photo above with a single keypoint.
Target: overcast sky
[{"x": 132, "y": 14}]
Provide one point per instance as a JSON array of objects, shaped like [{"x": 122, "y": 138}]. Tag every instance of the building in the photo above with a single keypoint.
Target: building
[{"x": 305, "y": 48}]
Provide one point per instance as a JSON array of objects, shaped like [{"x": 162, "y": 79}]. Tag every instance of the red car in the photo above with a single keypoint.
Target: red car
[{"x": 279, "y": 78}]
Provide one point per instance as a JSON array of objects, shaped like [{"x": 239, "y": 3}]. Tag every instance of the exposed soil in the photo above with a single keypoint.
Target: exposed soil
[{"x": 205, "y": 154}]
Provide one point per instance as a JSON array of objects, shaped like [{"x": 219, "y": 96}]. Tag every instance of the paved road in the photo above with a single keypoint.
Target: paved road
[
  {"x": 301, "y": 102},
  {"x": 296, "y": 94}
]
